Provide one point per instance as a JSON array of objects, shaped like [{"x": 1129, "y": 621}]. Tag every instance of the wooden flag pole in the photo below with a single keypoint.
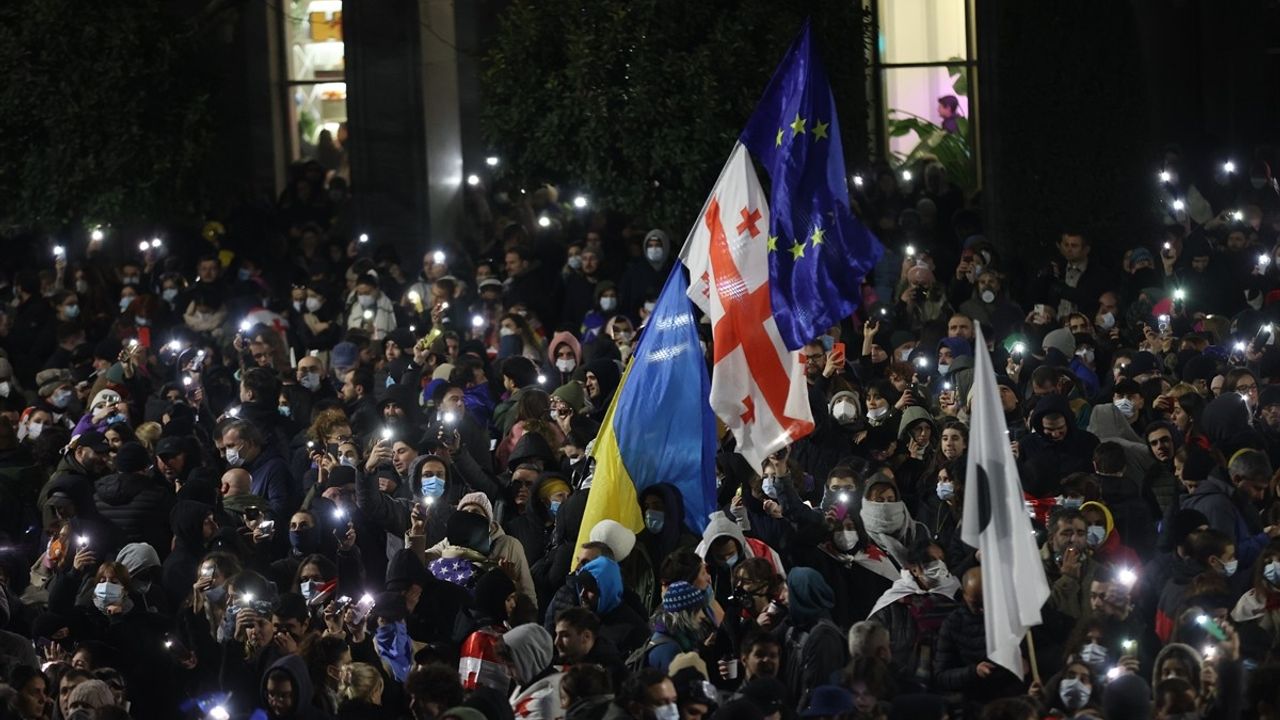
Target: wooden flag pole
[{"x": 1031, "y": 652}]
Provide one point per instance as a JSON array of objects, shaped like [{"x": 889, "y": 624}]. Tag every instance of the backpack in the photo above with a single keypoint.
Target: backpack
[{"x": 638, "y": 659}]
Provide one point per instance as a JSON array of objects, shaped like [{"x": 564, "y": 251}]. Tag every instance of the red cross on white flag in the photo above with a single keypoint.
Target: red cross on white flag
[{"x": 757, "y": 387}]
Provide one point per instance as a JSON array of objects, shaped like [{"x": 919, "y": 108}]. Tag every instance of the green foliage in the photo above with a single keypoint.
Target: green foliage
[
  {"x": 950, "y": 149},
  {"x": 102, "y": 117},
  {"x": 953, "y": 150},
  {"x": 639, "y": 101}
]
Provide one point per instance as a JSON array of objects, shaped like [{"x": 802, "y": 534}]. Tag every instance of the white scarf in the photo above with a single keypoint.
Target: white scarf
[{"x": 906, "y": 586}]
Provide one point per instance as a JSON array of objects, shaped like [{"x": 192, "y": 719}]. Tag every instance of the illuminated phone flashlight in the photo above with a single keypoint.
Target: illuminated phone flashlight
[
  {"x": 843, "y": 498},
  {"x": 922, "y": 362},
  {"x": 133, "y": 342},
  {"x": 1179, "y": 294},
  {"x": 444, "y": 306},
  {"x": 1128, "y": 645},
  {"x": 492, "y": 161},
  {"x": 1168, "y": 246},
  {"x": 542, "y": 379},
  {"x": 428, "y": 500},
  {"x": 83, "y": 540},
  {"x": 413, "y": 328},
  {"x": 168, "y": 644},
  {"x": 1228, "y": 167},
  {"x": 477, "y": 321},
  {"x": 1209, "y": 652},
  {"x": 414, "y": 297},
  {"x": 1019, "y": 348},
  {"x": 364, "y": 237},
  {"x": 883, "y": 311},
  {"x": 387, "y": 433},
  {"x": 1264, "y": 259},
  {"x": 1113, "y": 673},
  {"x": 186, "y": 381},
  {"x": 857, "y": 181},
  {"x": 59, "y": 251},
  {"x": 544, "y": 221},
  {"x": 1127, "y": 577},
  {"x": 144, "y": 246},
  {"x": 175, "y": 345},
  {"x": 339, "y": 513},
  {"x": 234, "y": 412},
  {"x": 1165, "y": 176},
  {"x": 1237, "y": 215},
  {"x": 246, "y": 598},
  {"x": 155, "y": 243},
  {"x": 473, "y": 180},
  {"x": 368, "y": 314},
  {"x": 580, "y": 202},
  {"x": 906, "y": 176},
  {"x": 911, "y": 251},
  {"x": 245, "y": 325},
  {"x": 218, "y": 712},
  {"x": 438, "y": 257},
  {"x": 1179, "y": 205},
  {"x": 1240, "y": 346},
  {"x": 1164, "y": 319},
  {"x": 311, "y": 444},
  {"x": 97, "y": 235}
]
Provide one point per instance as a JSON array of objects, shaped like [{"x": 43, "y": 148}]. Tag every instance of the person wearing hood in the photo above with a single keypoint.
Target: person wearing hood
[
  {"x": 135, "y": 500},
  {"x": 601, "y": 381},
  {"x": 287, "y": 692},
  {"x": 600, "y": 590},
  {"x": 434, "y": 494},
  {"x": 504, "y": 550},
  {"x": 481, "y": 663},
  {"x": 815, "y": 648},
  {"x": 664, "y": 532},
  {"x": 833, "y": 434},
  {"x": 193, "y": 527},
  {"x": 538, "y": 504},
  {"x": 637, "y": 568},
  {"x": 260, "y": 407},
  {"x": 1134, "y": 523},
  {"x": 723, "y": 546},
  {"x": 1227, "y": 421},
  {"x": 643, "y": 278},
  {"x": 919, "y": 456},
  {"x": 604, "y": 309},
  {"x": 887, "y": 521},
  {"x": 1055, "y": 447},
  {"x": 84, "y": 461},
  {"x": 1110, "y": 423},
  {"x": 143, "y": 564},
  {"x": 955, "y": 365},
  {"x": 529, "y": 649},
  {"x": 369, "y": 308},
  {"x": 564, "y": 355},
  {"x": 1103, "y": 536}
]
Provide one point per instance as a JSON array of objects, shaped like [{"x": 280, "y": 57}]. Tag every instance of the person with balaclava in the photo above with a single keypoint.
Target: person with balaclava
[
  {"x": 888, "y": 522},
  {"x": 815, "y": 647}
]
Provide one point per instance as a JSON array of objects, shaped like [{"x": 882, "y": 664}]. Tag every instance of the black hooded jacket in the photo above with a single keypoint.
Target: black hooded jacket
[
  {"x": 137, "y": 504},
  {"x": 1049, "y": 461},
  {"x": 534, "y": 525},
  {"x": 674, "y": 535},
  {"x": 179, "y": 570}
]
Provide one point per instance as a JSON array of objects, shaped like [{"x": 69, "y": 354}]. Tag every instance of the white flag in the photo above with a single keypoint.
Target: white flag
[
  {"x": 757, "y": 386},
  {"x": 995, "y": 521}
]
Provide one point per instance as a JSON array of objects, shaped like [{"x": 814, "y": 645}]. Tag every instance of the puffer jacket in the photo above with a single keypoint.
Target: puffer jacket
[
  {"x": 138, "y": 505},
  {"x": 1049, "y": 461},
  {"x": 961, "y": 646}
]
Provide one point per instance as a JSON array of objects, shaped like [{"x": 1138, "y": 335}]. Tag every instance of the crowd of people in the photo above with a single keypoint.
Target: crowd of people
[{"x": 294, "y": 480}]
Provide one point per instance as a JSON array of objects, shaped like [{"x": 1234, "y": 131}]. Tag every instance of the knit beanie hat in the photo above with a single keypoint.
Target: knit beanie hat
[{"x": 681, "y": 595}]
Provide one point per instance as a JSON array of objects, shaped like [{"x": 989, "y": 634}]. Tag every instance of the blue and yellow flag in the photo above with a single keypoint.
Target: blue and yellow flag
[
  {"x": 660, "y": 427},
  {"x": 819, "y": 252}
]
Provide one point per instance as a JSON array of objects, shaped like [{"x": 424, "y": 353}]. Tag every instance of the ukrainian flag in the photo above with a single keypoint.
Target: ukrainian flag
[{"x": 660, "y": 427}]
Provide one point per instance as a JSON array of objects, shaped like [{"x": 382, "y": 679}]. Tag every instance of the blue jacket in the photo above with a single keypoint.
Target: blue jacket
[{"x": 273, "y": 481}]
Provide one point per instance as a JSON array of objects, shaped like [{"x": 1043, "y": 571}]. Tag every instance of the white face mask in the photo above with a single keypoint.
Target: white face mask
[
  {"x": 877, "y": 413},
  {"x": 575, "y": 262},
  {"x": 314, "y": 304},
  {"x": 1108, "y": 320},
  {"x": 5, "y": 388},
  {"x": 1125, "y": 406},
  {"x": 1085, "y": 355},
  {"x": 566, "y": 365},
  {"x": 1074, "y": 693},
  {"x": 988, "y": 297},
  {"x": 846, "y": 540},
  {"x": 844, "y": 412},
  {"x": 936, "y": 572},
  {"x": 505, "y": 332},
  {"x": 884, "y": 517},
  {"x": 34, "y": 429},
  {"x": 366, "y": 301},
  {"x": 654, "y": 254},
  {"x": 608, "y": 304}
]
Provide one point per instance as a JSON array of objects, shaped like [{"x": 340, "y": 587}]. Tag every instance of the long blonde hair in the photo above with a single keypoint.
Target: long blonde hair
[{"x": 360, "y": 681}]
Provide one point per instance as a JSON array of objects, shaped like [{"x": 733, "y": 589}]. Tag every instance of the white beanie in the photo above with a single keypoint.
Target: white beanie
[{"x": 614, "y": 534}]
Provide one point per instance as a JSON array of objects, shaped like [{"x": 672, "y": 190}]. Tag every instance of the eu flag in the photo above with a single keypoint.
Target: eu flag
[{"x": 819, "y": 252}]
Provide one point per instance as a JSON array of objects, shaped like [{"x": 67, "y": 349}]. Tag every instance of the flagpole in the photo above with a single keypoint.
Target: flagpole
[{"x": 1035, "y": 666}]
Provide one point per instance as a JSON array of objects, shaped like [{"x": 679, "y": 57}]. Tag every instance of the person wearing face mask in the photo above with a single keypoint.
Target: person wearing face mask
[
  {"x": 1072, "y": 690},
  {"x": 723, "y": 546},
  {"x": 1257, "y": 612},
  {"x": 645, "y": 275},
  {"x": 605, "y": 308},
  {"x": 991, "y": 306},
  {"x": 823, "y": 449},
  {"x": 942, "y": 511},
  {"x": 1103, "y": 537},
  {"x": 503, "y": 549},
  {"x": 857, "y": 571},
  {"x": 664, "y": 530},
  {"x": 28, "y": 320},
  {"x": 370, "y": 309},
  {"x": 564, "y": 355},
  {"x": 888, "y": 522},
  {"x": 913, "y": 608}
]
